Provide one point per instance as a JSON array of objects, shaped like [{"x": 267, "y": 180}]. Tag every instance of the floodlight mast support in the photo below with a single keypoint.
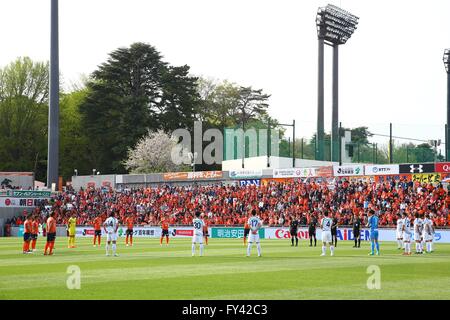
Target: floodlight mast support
[
  {"x": 53, "y": 111},
  {"x": 446, "y": 60},
  {"x": 320, "y": 104},
  {"x": 335, "y": 110}
]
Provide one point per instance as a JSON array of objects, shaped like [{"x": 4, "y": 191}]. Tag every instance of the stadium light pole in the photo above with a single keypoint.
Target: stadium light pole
[
  {"x": 446, "y": 60},
  {"x": 334, "y": 27},
  {"x": 53, "y": 110}
]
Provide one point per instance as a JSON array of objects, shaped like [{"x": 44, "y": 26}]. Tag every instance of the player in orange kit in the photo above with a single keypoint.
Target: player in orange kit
[
  {"x": 246, "y": 231},
  {"x": 27, "y": 226},
  {"x": 34, "y": 232},
  {"x": 130, "y": 223},
  {"x": 51, "y": 233},
  {"x": 205, "y": 230},
  {"x": 164, "y": 231},
  {"x": 97, "y": 230}
]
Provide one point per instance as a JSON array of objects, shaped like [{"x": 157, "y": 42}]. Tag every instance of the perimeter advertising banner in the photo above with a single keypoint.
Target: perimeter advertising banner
[
  {"x": 250, "y": 182},
  {"x": 199, "y": 175},
  {"x": 295, "y": 173},
  {"x": 344, "y": 234},
  {"x": 6, "y": 202},
  {"x": 417, "y": 168},
  {"x": 348, "y": 170},
  {"x": 145, "y": 232},
  {"x": 232, "y": 233},
  {"x": 442, "y": 167},
  {"x": 245, "y": 174},
  {"x": 377, "y": 170}
]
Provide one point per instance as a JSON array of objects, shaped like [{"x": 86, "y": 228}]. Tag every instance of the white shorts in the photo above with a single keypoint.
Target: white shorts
[
  {"x": 427, "y": 237},
  {"x": 399, "y": 234},
  {"x": 417, "y": 236},
  {"x": 197, "y": 239},
  {"x": 406, "y": 237},
  {"x": 253, "y": 237},
  {"x": 326, "y": 236},
  {"x": 111, "y": 236}
]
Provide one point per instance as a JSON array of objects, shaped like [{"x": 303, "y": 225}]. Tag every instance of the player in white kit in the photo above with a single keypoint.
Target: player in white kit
[
  {"x": 325, "y": 224},
  {"x": 418, "y": 226},
  {"x": 255, "y": 224},
  {"x": 198, "y": 233},
  {"x": 427, "y": 233},
  {"x": 400, "y": 223},
  {"x": 110, "y": 226},
  {"x": 406, "y": 234}
]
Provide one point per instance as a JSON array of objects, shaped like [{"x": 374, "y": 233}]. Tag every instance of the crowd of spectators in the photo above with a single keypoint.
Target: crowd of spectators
[{"x": 277, "y": 203}]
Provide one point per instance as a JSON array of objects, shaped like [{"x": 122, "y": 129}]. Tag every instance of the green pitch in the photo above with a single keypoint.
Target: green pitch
[{"x": 149, "y": 271}]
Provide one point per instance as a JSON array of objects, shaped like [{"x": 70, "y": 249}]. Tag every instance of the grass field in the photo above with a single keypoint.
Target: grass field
[{"x": 149, "y": 271}]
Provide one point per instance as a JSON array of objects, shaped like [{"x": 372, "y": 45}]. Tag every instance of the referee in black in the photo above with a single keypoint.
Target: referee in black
[
  {"x": 312, "y": 229},
  {"x": 293, "y": 228},
  {"x": 334, "y": 231},
  {"x": 356, "y": 222}
]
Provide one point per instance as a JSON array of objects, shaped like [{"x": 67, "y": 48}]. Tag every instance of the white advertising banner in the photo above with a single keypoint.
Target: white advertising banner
[
  {"x": 440, "y": 236},
  {"x": 348, "y": 170},
  {"x": 295, "y": 173},
  {"x": 148, "y": 232},
  {"x": 245, "y": 174},
  {"x": 7, "y": 202},
  {"x": 379, "y": 170}
]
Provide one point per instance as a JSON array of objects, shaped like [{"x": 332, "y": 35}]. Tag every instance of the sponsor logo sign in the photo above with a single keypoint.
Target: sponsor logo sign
[
  {"x": 325, "y": 172},
  {"x": 245, "y": 174},
  {"x": 232, "y": 233},
  {"x": 377, "y": 170},
  {"x": 417, "y": 168},
  {"x": 145, "y": 231},
  {"x": 442, "y": 167},
  {"x": 250, "y": 182},
  {"x": 350, "y": 170},
  {"x": 6, "y": 202},
  {"x": 294, "y": 173},
  {"x": 28, "y": 194}
]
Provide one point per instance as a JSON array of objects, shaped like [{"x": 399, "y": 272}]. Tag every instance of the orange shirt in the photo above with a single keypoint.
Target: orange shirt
[
  {"x": 130, "y": 222},
  {"x": 164, "y": 225},
  {"x": 246, "y": 226},
  {"x": 35, "y": 227},
  {"x": 51, "y": 225},
  {"x": 98, "y": 223},
  {"x": 27, "y": 226}
]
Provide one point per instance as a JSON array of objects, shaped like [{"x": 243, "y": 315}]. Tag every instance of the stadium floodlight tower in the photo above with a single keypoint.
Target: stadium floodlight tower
[
  {"x": 447, "y": 134},
  {"x": 334, "y": 27}
]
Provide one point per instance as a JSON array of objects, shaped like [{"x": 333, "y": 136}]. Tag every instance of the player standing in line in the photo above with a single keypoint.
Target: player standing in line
[
  {"x": 312, "y": 229},
  {"x": 198, "y": 233},
  {"x": 356, "y": 222},
  {"x": 432, "y": 232},
  {"x": 418, "y": 226},
  {"x": 51, "y": 234},
  {"x": 334, "y": 231},
  {"x": 34, "y": 232},
  {"x": 427, "y": 233},
  {"x": 27, "y": 225},
  {"x": 110, "y": 226},
  {"x": 97, "y": 230},
  {"x": 400, "y": 223},
  {"x": 372, "y": 223},
  {"x": 325, "y": 225},
  {"x": 130, "y": 223},
  {"x": 71, "y": 227},
  {"x": 255, "y": 224},
  {"x": 164, "y": 232},
  {"x": 205, "y": 231},
  {"x": 293, "y": 228},
  {"x": 406, "y": 234},
  {"x": 246, "y": 230}
]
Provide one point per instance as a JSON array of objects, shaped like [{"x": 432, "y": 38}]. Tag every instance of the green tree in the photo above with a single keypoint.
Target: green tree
[
  {"x": 132, "y": 92},
  {"x": 23, "y": 116}
]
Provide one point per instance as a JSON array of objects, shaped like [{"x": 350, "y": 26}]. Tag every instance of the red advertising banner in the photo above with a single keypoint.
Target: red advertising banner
[
  {"x": 324, "y": 172},
  {"x": 200, "y": 175},
  {"x": 442, "y": 167},
  {"x": 184, "y": 232}
]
